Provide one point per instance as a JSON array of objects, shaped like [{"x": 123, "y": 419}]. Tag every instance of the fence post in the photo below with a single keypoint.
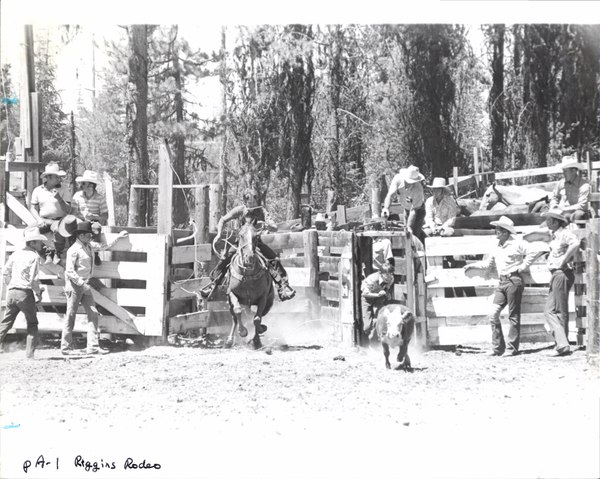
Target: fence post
[
  {"x": 593, "y": 336},
  {"x": 201, "y": 219},
  {"x": 214, "y": 193},
  {"x": 311, "y": 260},
  {"x": 133, "y": 216}
]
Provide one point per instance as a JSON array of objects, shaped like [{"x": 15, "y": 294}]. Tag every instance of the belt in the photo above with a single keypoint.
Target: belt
[
  {"x": 564, "y": 270},
  {"x": 21, "y": 289},
  {"x": 506, "y": 277}
]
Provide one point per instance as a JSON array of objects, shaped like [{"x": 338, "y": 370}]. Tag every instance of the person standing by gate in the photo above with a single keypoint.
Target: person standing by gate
[
  {"x": 563, "y": 246},
  {"x": 78, "y": 272},
  {"x": 22, "y": 274},
  {"x": 376, "y": 291},
  {"x": 511, "y": 257}
]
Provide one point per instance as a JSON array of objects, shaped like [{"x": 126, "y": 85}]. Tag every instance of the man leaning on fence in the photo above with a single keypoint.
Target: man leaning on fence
[
  {"x": 511, "y": 257},
  {"x": 563, "y": 246}
]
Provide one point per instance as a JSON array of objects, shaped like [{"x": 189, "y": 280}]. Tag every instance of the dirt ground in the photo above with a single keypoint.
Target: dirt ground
[{"x": 299, "y": 411}]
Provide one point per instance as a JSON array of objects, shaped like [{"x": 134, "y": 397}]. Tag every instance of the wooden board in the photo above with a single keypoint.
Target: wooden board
[
  {"x": 189, "y": 322},
  {"x": 458, "y": 278},
  {"x": 483, "y": 222},
  {"x": 53, "y": 323},
  {"x": 476, "y": 306},
  {"x": 191, "y": 254}
]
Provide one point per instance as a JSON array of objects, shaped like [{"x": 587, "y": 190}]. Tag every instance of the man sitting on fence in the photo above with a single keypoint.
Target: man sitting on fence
[
  {"x": 251, "y": 212},
  {"x": 50, "y": 202},
  {"x": 511, "y": 257},
  {"x": 408, "y": 186},
  {"x": 440, "y": 210},
  {"x": 572, "y": 193}
]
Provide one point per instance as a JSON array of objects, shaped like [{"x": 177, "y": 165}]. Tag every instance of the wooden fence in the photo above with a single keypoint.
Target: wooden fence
[{"x": 456, "y": 320}]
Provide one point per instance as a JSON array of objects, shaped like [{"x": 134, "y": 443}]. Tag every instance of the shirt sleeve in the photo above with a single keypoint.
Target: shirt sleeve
[
  {"x": 555, "y": 198},
  {"x": 75, "y": 209},
  {"x": 7, "y": 271},
  {"x": 429, "y": 219},
  {"x": 35, "y": 277},
  {"x": 70, "y": 268},
  {"x": 529, "y": 255},
  {"x": 582, "y": 200}
]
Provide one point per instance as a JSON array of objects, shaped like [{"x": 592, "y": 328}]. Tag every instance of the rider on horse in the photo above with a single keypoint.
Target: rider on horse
[{"x": 252, "y": 213}]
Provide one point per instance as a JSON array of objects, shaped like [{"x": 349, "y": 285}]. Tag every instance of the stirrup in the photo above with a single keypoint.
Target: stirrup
[{"x": 208, "y": 290}]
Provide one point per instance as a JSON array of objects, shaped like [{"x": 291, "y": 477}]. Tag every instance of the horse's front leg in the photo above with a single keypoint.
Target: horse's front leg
[
  {"x": 259, "y": 328},
  {"x": 236, "y": 314}
]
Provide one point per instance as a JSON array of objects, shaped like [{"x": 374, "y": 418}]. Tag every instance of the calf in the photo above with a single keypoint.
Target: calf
[{"x": 395, "y": 326}]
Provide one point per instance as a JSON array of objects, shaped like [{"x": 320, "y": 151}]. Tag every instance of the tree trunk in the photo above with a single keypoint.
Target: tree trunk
[
  {"x": 181, "y": 213},
  {"x": 137, "y": 113},
  {"x": 497, "y": 97}
]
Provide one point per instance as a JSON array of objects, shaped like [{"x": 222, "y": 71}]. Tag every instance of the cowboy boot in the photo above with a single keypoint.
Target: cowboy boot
[
  {"x": 216, "y": 276},
  {"x": 280, "y": 278}
]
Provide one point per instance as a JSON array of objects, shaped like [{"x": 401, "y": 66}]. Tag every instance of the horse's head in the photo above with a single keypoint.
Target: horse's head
[
  {"x": 247, "y": 244},
  {"x": 490, "y": 197}
]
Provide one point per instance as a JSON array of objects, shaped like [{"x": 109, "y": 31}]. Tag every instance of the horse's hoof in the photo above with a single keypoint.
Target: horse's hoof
[
  {"x": 256, "y": 342},
  {"x": 262, "y": 328},
  {"x": 228, "y": 343},
  {"x": 243, "y": 332}
]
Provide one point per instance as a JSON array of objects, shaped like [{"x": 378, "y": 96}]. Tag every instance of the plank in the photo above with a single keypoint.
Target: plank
[
  {"x": 300, "y": 277},
  {"x": 329, "y": 290},
  {"x": 53, "y": 323},
  {"x": 22, "y": 166},
  {"x": 334, "y": 238},
  {"x": 483, "y": 222},
  {"x": 191, "y": 254},
  {"x": 122, "y": 270},
  {"x": 19, "y": 209},
  {"x": 329, "y": 264},
  {"x": 156, "y": 287},
  {"x": 457, "y": 277},
  {"x": 280, "y": 241},
  {"x": 531, "y": 333},
  {"x": 187, "y": 288},
  {"x": 481, "y": 305},
  {"x": 189, "y": 322}
]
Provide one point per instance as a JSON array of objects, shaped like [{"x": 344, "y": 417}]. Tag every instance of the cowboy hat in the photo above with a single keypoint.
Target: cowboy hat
[
  {"x": 67, "y": 225},
  {"x": 33, "y": 234},
  {"x": 557, "y": 214},
  {"x": 89, "y": 176},
  {"x": 571, "y": 162},
  {"x": 83, "y": 227},
  {"x": 440, "y": 183},
  {"x": 411, "y": 174},
  {"x": 505, "y": 223},
  {"x": 53, "y": 169}
]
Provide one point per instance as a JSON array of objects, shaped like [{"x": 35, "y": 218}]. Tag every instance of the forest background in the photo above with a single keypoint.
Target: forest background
[{"x": 303, "y": 109}]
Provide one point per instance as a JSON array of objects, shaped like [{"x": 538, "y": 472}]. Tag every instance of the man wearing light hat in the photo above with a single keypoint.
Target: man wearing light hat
[
  {"x": 572, "y": 193},
  {"x": 510, "y": 257},
  {"x": 87, "y": 203},
  {"x": 22, "y": 274},
  {"x": 50, "y": 202},
  {"x": 408, "y": 186},
  {"x": 90, "y": 205},
  {"x": 440, "y": 210},
  {"x": 78, "y": 272},
  {"x": 563, "y": 246}
]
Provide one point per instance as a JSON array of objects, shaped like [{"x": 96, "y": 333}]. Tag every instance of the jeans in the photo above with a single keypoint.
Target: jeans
[
  {"x": 414, "y": 219},
  {"x": 557, "y": 307},
  {"x": 21, "y": 300},
  {"x": 509, "y": 292},
  {"x": 370, "y": 309},
  {"x": 75, "y": 296}
]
